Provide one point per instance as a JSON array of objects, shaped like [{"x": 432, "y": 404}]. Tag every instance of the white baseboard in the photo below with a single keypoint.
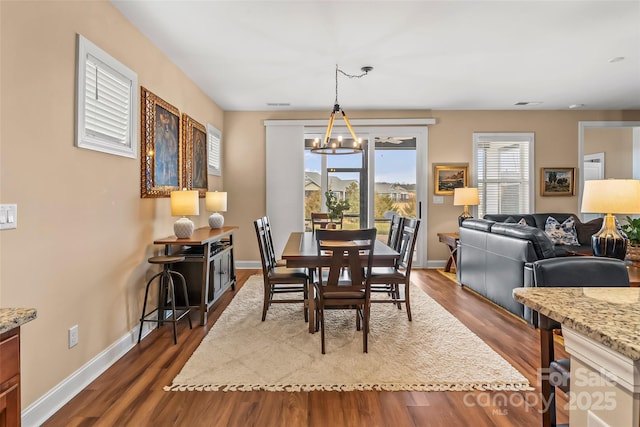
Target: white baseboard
[
  {"x": 248, "y": 265},
  {"x": 48, "y": 404}
]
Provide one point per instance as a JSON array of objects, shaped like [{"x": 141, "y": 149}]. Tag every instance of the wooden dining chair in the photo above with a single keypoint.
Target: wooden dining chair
[
  {"x": 393, "y": 240},
  {"x": 271, "y": 249},
  {"x": 399, "y": 275},
  {"x": 280, "y": 280},
  {"x": 319, "y": 219},
  {"x": 346, "y": 284}
]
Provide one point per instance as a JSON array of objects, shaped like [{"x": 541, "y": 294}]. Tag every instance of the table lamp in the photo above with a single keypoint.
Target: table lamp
[
  {"x": 216, "y": 202},
  {"x": 465, "y": 196},
  {"x": 610, "y": 196},
  {"x": 183, "y": 203}
]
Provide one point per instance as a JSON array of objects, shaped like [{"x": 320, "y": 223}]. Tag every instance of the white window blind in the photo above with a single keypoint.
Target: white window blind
[
  {"x": 214, "y": 145},
  {"x": 106, "y": 102},
  {"x": 503, "y": 165}
]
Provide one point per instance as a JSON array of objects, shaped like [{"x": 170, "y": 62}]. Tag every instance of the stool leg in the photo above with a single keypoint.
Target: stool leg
[
  {"x": 172, "y": 295},
  {"x": 186, "y": 295},
  {"x": 144, "y": 305}
]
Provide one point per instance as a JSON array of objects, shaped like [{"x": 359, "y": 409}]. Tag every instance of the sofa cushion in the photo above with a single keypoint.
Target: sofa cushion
[
  {"x": 587, "y": 229},
  {"x": 515, "y": 217},
  {"x": 541, "y": 243},
  {"x": 562, "y": 233},
  {"x": 478, "y": 224}
]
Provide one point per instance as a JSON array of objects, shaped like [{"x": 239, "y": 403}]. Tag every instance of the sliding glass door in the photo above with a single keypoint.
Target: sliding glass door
[{"x": 387, "y": 178}]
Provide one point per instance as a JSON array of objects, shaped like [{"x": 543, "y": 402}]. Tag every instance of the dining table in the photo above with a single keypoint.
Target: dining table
[{"x": 301, "y": 251}]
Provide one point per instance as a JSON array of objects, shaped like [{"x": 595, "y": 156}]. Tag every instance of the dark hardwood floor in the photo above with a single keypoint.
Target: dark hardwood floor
[{"x": 130, "y": 393}]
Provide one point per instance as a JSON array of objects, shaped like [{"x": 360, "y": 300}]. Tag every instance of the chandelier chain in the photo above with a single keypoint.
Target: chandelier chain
[{"x": 351, "y": 76}]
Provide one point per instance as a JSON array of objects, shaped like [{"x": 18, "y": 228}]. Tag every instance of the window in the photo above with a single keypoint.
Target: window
[
  {"x": 503, "y": 172},
  {"x": 214, "y": 138},
  {"x": 106, "y": 102}
]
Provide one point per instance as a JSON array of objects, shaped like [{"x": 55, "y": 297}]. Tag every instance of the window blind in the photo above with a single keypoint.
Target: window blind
[
  {"x": 503, "y": 174},
  {"x": 214, "y": 142},
  {"x": 106, "y": 102}
]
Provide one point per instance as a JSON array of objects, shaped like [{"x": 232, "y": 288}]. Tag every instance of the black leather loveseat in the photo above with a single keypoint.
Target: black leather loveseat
[{"x": 492, "y": 254}]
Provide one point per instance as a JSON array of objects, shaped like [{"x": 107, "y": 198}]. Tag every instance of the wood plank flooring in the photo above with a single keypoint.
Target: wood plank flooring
[{"x": 130, "y": 392}]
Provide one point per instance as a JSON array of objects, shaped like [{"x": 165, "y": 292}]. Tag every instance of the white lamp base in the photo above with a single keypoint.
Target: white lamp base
[
  {"x": 216, "y": 220},
  {"x": 183, "y": 228}
]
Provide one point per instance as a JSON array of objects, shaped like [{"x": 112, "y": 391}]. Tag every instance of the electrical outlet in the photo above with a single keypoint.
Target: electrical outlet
[{"x": 73, "y": 336}]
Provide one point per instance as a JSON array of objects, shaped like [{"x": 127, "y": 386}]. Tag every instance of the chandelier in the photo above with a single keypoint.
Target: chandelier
[{"x": 339, "y": 146}]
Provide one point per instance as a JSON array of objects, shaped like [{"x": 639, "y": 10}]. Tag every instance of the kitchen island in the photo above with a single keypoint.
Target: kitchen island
[{"x": 601, "y": 330}]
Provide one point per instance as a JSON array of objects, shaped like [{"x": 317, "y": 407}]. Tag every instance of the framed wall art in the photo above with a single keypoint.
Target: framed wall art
[
  {"x": 448, "y": 177},
  {"x": 162, "y": 151},
  {"x": 194, "y": 137},
  {"x": 557, "y": 181}
]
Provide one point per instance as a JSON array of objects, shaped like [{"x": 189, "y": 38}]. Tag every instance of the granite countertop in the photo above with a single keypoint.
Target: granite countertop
[
  {"x": 13, "y": 317},
  {"x": 610, "y": 316}
]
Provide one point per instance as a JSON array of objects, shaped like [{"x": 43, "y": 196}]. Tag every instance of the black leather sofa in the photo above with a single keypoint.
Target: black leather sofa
[{"x": 492, "y": 254}]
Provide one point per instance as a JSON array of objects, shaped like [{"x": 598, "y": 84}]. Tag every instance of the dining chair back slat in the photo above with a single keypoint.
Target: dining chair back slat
[{"x": 395, "y": 230}]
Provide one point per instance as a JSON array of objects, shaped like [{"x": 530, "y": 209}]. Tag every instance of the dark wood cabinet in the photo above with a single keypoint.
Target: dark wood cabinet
[
  {"x": 208, "y": 267},
  {"x": 10, "y": 378}
]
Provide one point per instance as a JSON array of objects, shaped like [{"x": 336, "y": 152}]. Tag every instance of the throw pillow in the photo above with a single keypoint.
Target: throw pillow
[
  {"x": 587, "y": 229},
  {"x": 510, "y": 220},
  {"x": 522, "y": 222},
  {"x": 561, "y": 234}
]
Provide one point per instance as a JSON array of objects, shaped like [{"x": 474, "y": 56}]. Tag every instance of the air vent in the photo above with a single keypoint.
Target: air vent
[
  {"x": 527, "y": 103},
  {"x": 278, "y": 104}
]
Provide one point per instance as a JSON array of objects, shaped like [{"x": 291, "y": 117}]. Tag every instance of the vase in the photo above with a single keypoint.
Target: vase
[{"x": 633, "y": 253}]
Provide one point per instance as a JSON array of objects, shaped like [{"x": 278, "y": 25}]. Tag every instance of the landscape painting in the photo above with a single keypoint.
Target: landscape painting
[
  {"x": 557, "y": 181},
  {"x": 449, "y": 177}
]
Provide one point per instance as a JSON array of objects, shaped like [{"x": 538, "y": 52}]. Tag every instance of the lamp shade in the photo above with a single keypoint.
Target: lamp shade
[
  {"x": 216, "y": 201},
  {"x": 612, "y": 196},
  {"x": 185, "y": 203},
  {"x": 465, "y": 196}
]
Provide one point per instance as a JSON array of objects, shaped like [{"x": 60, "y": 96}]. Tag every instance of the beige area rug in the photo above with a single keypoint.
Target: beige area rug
[{"x": 434, "y": 352}]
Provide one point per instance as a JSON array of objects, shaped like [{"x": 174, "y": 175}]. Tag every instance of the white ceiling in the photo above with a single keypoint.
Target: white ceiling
[{"x": 451, "y": 54}]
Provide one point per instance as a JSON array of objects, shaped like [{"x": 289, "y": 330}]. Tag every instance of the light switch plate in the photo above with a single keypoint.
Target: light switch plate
[
  {"x": 438, "y": 200},
  {"x": 8, "y": 217}
]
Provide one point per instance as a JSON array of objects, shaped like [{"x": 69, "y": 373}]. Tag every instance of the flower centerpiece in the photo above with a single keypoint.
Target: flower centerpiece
[
  {"x": 632, "y": 230},
  {"x": 335, "y": 208}
]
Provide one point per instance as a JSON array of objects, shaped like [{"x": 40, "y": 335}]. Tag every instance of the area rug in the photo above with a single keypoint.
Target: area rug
[{"x": 434, "y": 352}]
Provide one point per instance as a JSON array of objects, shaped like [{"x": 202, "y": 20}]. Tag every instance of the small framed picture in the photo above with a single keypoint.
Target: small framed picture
[
  {"x": 194, "y": 169},
  {"x": 449, "y": 177},
  {"x": 557, "y": 181}
]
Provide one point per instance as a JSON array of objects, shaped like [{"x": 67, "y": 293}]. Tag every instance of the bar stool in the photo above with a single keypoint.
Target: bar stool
[{"x": 166, "y": 289}]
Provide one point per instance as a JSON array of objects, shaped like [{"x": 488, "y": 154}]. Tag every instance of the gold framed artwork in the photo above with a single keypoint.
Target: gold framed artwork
[
  {"x": 557, "y": 181},
  {"x": 449, "y": 177},
  {"x": 195, "y": 171},
  {"x": 162, "y": 152}
]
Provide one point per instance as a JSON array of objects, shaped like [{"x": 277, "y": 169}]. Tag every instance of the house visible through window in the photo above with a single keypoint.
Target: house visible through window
[
  {"x": 107, "y": 94},
  {"x": 503, "y": 172}
]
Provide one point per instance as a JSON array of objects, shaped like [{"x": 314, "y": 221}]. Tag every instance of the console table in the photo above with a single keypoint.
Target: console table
[
  {"x": 208, "y": 266},
  {"x": 451, "y": 240}
]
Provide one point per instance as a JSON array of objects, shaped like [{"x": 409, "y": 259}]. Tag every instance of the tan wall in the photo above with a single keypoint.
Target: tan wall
[
  {"x": 617, "y": 146},
  {"x": 84, "y": 234},
  {"x": 450, "y": 140}
]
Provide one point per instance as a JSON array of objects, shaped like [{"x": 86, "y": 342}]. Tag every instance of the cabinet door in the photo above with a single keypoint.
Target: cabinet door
[{"x": 10, "y": 403}]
